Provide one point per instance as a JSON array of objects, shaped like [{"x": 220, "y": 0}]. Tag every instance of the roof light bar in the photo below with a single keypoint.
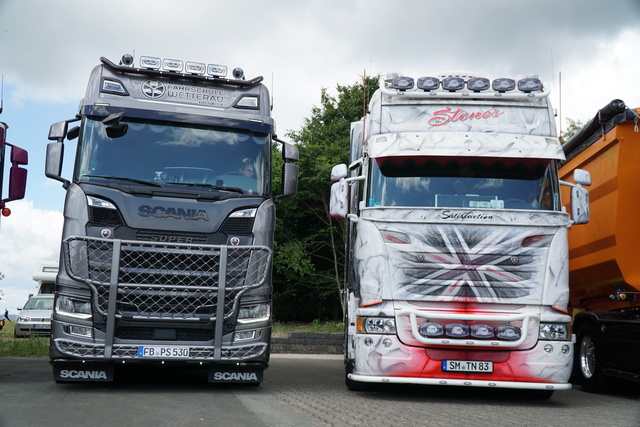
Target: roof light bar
[
  {"x": 216, "y": 70},
  {"x": 197, "y": 68},
  {"x": 428, "y": 83},
  {"x": 174, "y": 65},
  {"x": 402, "y": 83},
  {"x": 150, "y": 62},
  {"x": 530, "y": 84},
  {"x": 478, "y": 84},
  {"x": 452, "y": 84},
  {"x": 503, "y": 85}
]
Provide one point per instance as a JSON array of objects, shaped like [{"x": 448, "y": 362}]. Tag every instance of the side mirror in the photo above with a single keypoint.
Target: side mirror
[
  {"x": 339, "y": 200},
  {"x": 580, "y": 210},
  {"x": 582, "y": 177},
  {"x": 58, "y": 131},
  {"x": 17, "y": 175},
  {"x": 290, "y": 152},
  {"x": 289, "y": 170},
  {"x": 53, "y": 162},
  {"x": 338, "y": 172}
]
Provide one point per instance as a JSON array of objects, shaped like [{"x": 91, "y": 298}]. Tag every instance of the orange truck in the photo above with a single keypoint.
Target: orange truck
[{"x": 604, "y": 255}]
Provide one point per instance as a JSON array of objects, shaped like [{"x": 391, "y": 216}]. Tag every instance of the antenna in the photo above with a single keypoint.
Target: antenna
[
  {"x": 1, "y": 93},
  {"x": 272, "y": 91},
  {"x": 364, "y": 105}
]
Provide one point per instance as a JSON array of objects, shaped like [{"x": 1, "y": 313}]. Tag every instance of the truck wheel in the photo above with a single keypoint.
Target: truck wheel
[
  {"x": 355, "y": 385},
  {"x": 588, "y": 362}
]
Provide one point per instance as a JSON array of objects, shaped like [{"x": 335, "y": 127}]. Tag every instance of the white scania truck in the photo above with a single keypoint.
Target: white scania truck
[
  {"x": 457, "y": 263},
  {"x": 169, "y": 219}
]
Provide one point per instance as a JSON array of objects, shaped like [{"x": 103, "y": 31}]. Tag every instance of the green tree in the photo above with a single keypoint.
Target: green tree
[
  {"x": 309, "y": 244},
  {"x": 573, "y": 127}
]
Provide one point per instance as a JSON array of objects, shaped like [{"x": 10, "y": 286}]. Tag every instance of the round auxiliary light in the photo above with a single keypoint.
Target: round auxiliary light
[
  {"x": 428, "y": 83},
  {"x": 6, "y": 211},
  {"x": 127, "y": 59},
  {"x": 452, "y": 84},
  {"x": 402, "y": 83},
  {"x": 529, "y": 85},
  {"x": 238, "y": 73},
  {"x": 503, "y": 85},
  {"x": 478, "y": 84}
]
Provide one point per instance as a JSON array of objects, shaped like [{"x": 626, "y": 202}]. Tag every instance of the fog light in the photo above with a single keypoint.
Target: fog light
[
  {"x": 566, "y": 349},
  {"x": 457, "y": 330},
  {"x": 548, "y": 349},
  {"x": 482, "y": 331},
  {"x": 387, "y": 342},
  {"x": 508, "y": 332},
  {"x": 368, "y": 341},
  {"x": 82, "y": 331},
  {"x": 431, "y": 329},
  {"x": 244, "y": 335}
]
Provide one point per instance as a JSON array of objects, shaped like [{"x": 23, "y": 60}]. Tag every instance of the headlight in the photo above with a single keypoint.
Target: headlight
[
  {"x": 377, "y": 325},
  {"x": 553, "y": 331},
  {"x": 73, "y": 308},
  {"x": 23, "y": 319},
  {"x": 254, "y": 313}
]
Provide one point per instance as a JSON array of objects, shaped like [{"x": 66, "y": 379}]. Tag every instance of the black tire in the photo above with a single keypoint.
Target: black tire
[
  {"x": 588, "y": 360},
  {"x": 355, "y": 385}
]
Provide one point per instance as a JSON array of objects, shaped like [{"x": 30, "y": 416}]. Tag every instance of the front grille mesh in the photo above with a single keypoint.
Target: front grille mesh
[
  {"x": 231, "y": 353},
  {"x": 165, "y": 281}
]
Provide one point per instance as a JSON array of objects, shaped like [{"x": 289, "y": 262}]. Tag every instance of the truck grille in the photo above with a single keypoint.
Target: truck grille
[{"x": 163, "y": 280}]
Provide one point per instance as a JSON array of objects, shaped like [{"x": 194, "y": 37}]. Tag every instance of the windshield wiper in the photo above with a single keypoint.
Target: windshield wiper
[
  {"x": 205, "y": 185},
  {"x": 124, "y": 178}
]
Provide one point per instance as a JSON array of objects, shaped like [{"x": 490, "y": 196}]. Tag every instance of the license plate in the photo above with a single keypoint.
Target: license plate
[
  {"x": 163, "y": 351},
  {"x": 36, "y": 326},
  {"x": 467, "y": 366}
]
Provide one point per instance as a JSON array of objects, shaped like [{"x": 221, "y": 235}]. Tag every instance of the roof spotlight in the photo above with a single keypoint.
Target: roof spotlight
[
  {"x": 428, "y": 83},
  {"x": 503, "y": 85},
  {"x": 529, "y": 85},
  {"x": 452, "y": 84},
  {"x": 478, "y": 84},
  {"x": 402, "y": 83},
  {"x": 127, "y": 59}
]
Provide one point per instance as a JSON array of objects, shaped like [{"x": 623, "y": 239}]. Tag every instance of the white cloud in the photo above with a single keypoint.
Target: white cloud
[{"x": 29, "y": 236}]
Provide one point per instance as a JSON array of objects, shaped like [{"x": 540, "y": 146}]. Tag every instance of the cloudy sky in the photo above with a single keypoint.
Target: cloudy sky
[{"x": 48, "y": 48}]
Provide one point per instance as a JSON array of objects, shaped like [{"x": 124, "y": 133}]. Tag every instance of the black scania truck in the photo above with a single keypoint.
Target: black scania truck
[{"x": 169, "y": 218}]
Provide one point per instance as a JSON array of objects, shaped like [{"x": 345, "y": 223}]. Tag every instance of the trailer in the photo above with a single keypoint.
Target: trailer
[{"x": 604, "y": 272}]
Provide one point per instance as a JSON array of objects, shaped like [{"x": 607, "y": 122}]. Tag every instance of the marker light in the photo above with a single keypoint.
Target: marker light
[
  {"x": 452, "y": 84},
  {"x": 150, "y": 62},
  {"x": 402, "y": 83},
  {"x": 6, "y": 211},
  {"x": 529, "y": 85},
  {"x": 428, "y": 83},
  {"x": 197, "y": 68},
  {"x": 113, "y": 86},
  {"x": 216, "y": 70},
  {"x": 503, "y": 85},
  {"x": 173, "y": 65},
  {"x": 478, "y": 84},
  {"x": 248, "y": 102}
]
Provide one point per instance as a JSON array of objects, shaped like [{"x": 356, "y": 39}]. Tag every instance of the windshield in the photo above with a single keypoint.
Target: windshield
[
  {"x": 39, "y": 304},
  {"x": 463, "y": 183},
  {"x": 164, "y": 154}
]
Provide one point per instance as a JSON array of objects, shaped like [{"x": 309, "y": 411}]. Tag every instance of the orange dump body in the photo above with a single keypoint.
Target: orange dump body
[{"x": 606, "y": 251}]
